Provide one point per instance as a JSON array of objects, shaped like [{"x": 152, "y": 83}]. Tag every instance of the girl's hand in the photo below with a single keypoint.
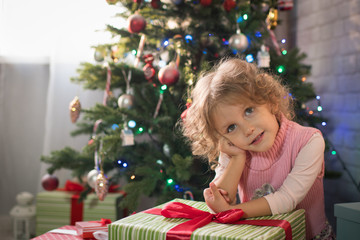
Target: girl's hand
[
  {"x": 225, "y": 195},
  {"x": 215, "y": 200},
  {"x": 227, "y": 147}
]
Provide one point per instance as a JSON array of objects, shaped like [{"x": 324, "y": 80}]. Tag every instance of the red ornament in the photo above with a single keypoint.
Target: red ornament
[
  {"x": 229, "y": 4},
  {"x": 149, "y": 70},
  {"x": 284, "y": 5},
  {"x": 136, "y": 23},
  {"x": 205, "y": 3},
  {"x": 155, "y": 4},
  {"x": 49, "y": 182},
  {"x": 183, "y": 114},
  {"x": 169, "y": 75}
]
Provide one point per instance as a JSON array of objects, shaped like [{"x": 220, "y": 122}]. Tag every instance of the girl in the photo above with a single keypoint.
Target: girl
[{"x": 240, "y": 119}]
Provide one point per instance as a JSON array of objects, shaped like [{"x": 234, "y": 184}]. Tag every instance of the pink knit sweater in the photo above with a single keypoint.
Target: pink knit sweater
[{"x": 275, "y": 165}]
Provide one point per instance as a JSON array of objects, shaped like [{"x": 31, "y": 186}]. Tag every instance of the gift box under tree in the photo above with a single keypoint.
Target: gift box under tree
[
  {"x": 58, "y": 208},
  {"x": 150, "y": 224}
]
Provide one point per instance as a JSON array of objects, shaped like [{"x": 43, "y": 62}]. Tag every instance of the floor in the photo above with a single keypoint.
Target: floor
[{"x": 6, "y": 228}]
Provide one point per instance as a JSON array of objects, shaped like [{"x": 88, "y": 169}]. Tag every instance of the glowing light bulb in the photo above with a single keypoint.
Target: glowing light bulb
[
  {"x": 169, "y": 181},
  {"x": 249, "y": 58},
  {"x": 319, "y": 108},
  {"x": 132, "y": 124},
  {"x": 280, "y": 69},
  {"x": 333, "y": 152},
  {"x": 132, "y": 177}
]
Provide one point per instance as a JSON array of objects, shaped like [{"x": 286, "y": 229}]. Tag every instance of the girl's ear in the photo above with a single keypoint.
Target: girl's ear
[{"x": 274, "y": 109}]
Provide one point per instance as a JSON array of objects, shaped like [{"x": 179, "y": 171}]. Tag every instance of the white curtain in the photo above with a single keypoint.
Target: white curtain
[{"x": 42, "y": 43}]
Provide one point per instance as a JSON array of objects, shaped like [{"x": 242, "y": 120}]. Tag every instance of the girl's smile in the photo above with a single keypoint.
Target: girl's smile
[{"x": 248, "y": 127}]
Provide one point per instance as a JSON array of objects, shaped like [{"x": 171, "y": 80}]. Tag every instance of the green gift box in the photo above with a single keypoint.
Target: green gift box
[
  {"x": 148, "y": 226},
  {"x": 58, "y": 208}
]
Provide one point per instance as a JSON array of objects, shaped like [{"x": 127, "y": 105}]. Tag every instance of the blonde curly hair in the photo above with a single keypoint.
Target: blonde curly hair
[{"x": 231, "y": 81}]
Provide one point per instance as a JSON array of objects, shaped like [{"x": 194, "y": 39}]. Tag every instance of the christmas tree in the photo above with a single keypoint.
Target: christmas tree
[{"x": 146, "y": 77}]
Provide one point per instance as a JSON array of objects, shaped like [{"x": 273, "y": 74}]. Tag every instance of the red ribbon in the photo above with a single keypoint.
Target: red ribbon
[
  {"x": 201, "y": 218},
  {"x": 76, "y": 214},
  {"x": 103, "y": 221},
  {"x": 77, "y": 207}
]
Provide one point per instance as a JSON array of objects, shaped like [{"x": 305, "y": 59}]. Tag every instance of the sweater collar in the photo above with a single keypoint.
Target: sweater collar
[{"x": 264, "y": 160}]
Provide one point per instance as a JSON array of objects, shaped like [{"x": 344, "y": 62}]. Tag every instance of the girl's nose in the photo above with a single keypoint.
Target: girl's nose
[{"x": 248, "y": 130}]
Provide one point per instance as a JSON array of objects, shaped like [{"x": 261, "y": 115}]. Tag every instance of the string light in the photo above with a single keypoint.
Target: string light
[
  {"x": 169, "y": 181},
  {"x": 163, "y": 87},
  {"x": 311, "y": 112},
  {"x": 258, "y": 34},
  {"x": 133, "y": 52},
  {"x": 245, "y": 17},
  {"x": 188, "y": 38},
  {"x": 333, "y": 152},
  {"x": 284, "y": 52},
  {"x": 249, "y": 58},
  {"x": 319, "y": 108},
  {"x": 303, "y": 79},
  {"x": 132, "y": 177},
  {"x": 280, "y": 69},
  {"x": 132, "y": 124},
  {"x": 165, "y": 42}
]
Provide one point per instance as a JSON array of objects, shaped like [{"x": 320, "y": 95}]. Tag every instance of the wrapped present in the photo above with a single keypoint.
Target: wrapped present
[
  {"x": 59, "y": 208},
  {"x": 86, "y": 229},
  {"x": 67, "y": 232},
  {"x": 187, "y": 219}
]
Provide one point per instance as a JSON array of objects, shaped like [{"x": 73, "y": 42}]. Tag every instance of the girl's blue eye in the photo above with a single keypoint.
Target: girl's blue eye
[
  {"x": 249, "y": 110},
  {"x": 231, "y": 128}
]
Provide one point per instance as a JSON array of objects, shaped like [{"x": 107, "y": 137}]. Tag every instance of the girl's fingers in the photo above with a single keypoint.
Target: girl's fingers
[{"x": 214, "y": 189}]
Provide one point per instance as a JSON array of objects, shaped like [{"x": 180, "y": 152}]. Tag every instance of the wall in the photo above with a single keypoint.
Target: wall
[{"x": 328, "y": 31}]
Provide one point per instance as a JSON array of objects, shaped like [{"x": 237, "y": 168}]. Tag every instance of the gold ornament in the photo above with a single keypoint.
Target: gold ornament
[
  {"x": 272, "y": 18},
  {"x": 75, "y": 108},
  {"x": 101, "y": 186}
]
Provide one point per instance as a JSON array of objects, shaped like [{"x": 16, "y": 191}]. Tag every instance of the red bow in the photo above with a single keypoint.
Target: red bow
[
  {"x": 73, "y": 186},
  {"x": 201, "y": 218},
  {"x": 104, "y": 221}
]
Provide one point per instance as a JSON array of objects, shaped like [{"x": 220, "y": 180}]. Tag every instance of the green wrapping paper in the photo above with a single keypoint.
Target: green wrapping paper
[
  {"x": 144, "y": 226},
  {"x": 53, "y": 209}
]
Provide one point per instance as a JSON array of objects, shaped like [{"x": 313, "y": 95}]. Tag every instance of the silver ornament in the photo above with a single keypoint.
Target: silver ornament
[
  {"x": 91, "y": 177},
  {"x": 101, "y": 186},
  {"x": 99, "y": 56},
  {"x": 166, "y": 150},
  {"x": 238, "y": 42},
  {"x": 126, "y": 101}
]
